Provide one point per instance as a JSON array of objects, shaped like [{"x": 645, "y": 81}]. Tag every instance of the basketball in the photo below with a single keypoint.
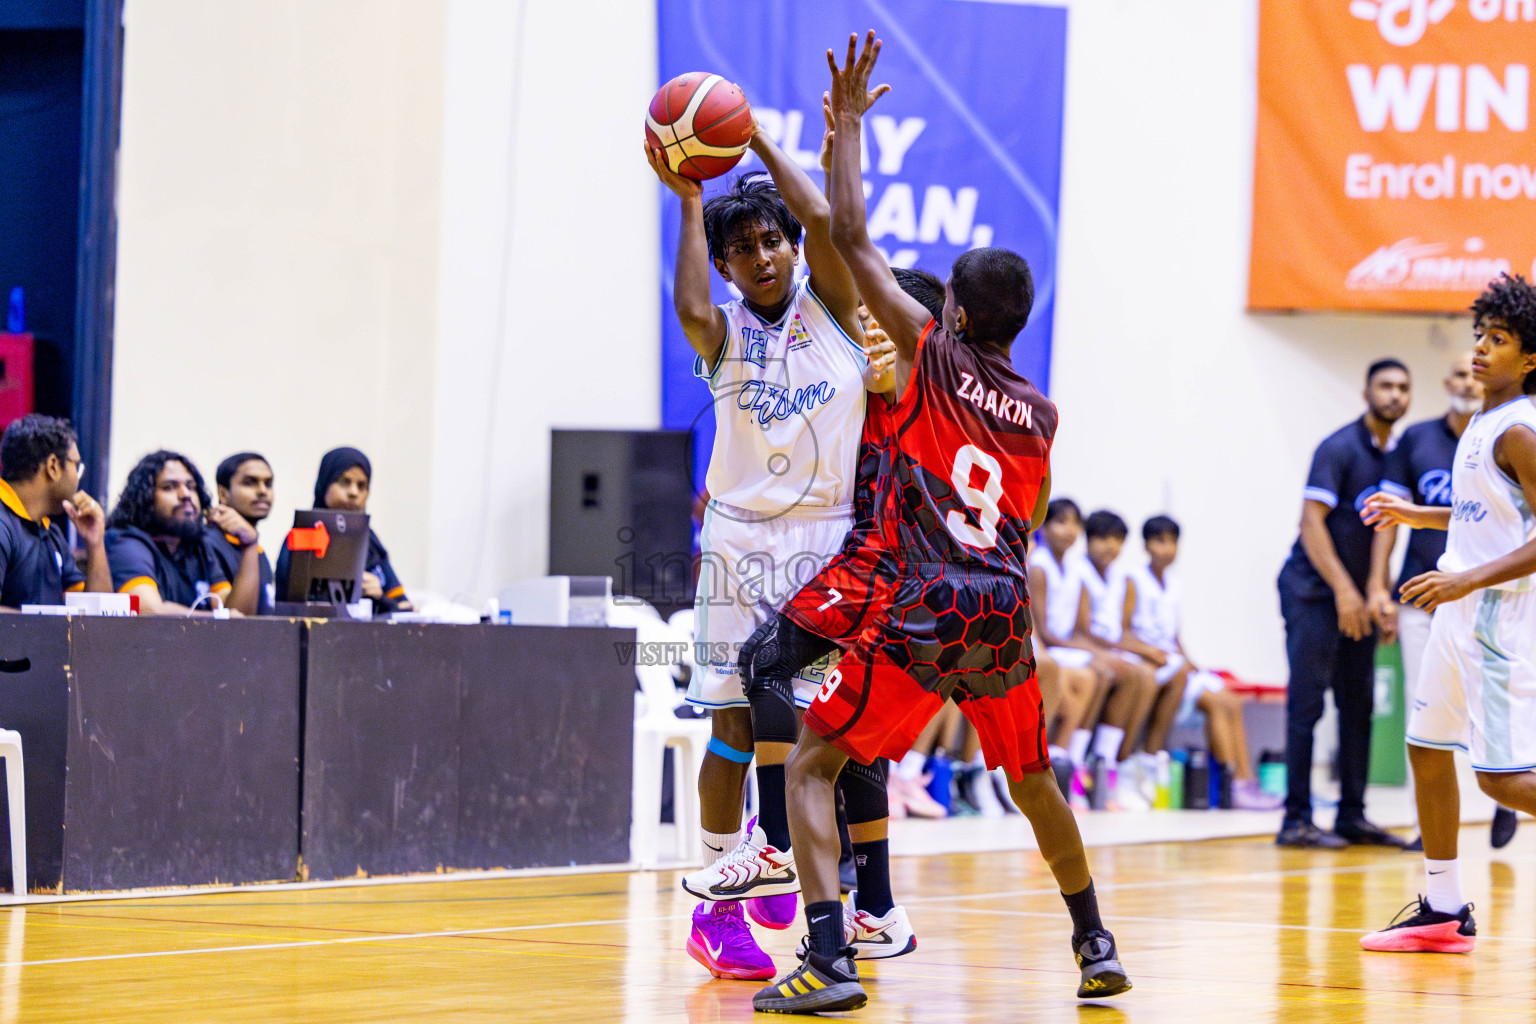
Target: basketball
[{"x": 702, "y": 123}]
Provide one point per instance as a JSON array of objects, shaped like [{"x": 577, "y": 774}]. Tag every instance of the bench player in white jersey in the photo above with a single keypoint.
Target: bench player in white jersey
[
  {"x": 1117, "y": 693},
  {"x": 1477, "y": 682},
  {"x": 1155, "y": 617},
  {"x": 788, "y": 384}
]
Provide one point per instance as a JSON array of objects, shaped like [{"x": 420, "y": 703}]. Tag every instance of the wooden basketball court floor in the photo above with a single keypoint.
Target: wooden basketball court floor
[{"x": 1226, "y": 930}]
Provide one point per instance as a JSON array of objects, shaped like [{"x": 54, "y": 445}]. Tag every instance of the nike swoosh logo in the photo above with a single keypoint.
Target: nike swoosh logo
[
  {"x": 714, "y": 952},
  {"x": 818, "y": 920},
  {"x": 1437, "y": 872}
]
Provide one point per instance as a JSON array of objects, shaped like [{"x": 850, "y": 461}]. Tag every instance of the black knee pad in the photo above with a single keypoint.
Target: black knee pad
[
  {"x": 863, "y": 787},
  {"x": 771, "y": 657}
]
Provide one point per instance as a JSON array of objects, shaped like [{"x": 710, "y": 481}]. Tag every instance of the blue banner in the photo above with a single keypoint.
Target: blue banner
[{"x": 964, "y": 152}]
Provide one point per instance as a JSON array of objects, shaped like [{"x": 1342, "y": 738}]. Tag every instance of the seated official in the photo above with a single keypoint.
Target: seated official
[
  {"x": 39, "y": 483},
  {"x": 155, "y": 542},
  {"x": 342, "y": 486},
  {"x": 245, "y": 485}
]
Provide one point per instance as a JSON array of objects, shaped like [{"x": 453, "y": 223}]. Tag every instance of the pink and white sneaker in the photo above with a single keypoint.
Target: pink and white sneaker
[
  {"x": 753, "y": 869},
  {"x": 722, "y": 941},
  {"x": 1427, "y": 931},
  {"x": 775, "y": 912}
]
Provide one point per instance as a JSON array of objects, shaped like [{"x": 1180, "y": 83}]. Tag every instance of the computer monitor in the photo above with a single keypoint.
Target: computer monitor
[{"x": 327, "y": 554}]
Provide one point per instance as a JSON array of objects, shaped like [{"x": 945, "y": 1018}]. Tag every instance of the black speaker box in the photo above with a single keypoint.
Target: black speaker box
[{"x": 621, "y": 505}]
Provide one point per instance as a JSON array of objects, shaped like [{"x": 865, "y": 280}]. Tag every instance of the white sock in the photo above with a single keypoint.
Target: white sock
[
  {"x": 1077, "y": 747},
  {"x": 718, "y": 844},
  {"x": 911, "y": 766},
  {"x": 1442, "y": 881},
  {"x": 1106, "y": 743}
]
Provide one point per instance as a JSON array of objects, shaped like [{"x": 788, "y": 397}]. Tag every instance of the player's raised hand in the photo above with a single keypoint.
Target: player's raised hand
[
  {"x": 685, "y": 188},
  {"x": 828, "y": 133},
  {"x": 850, "y": 93},
  {"x": 881, "y": 350},
  {"x": 1432, "y": 589}
]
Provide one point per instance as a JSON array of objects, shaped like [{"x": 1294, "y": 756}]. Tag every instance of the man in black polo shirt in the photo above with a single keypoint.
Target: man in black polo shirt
[
  {"x": 155, "y": 542},
  {"x": 1330, "y": 637},
  {"x": 245, "y": 485},
  {"x": 40, "y": 471},
  {"x": 1419, "y": 469}
]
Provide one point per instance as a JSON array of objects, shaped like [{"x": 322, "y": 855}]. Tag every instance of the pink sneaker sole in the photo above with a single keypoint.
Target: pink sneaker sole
[
  {"x": 775, "y": 912},
  {"x": 1429, "y": 938},
  {"x": 719, "y": 970}
]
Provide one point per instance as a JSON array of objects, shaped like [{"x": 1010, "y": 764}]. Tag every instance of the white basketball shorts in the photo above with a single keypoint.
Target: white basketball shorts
[
  {"x": 751, "y": 566},
  {"x": 1476, "y": 689}
]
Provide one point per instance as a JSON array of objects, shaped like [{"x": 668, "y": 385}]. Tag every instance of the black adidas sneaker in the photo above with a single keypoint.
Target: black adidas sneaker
[{"x": 820, "y": 984}]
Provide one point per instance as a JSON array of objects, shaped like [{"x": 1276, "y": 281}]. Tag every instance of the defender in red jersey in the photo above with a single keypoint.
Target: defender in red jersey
[{"x": 970, "y": 471}]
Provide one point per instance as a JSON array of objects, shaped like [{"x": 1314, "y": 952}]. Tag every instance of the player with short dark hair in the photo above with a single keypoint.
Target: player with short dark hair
[
  {"x": 1477, "y": 683},
  {"x": 789, "y": 385},
  {"x": 970, "y": 471},
  {"x": 40, "y": 472},
  {"x": 244, "y": 483},
  {"x": 1330, "y": 637}
]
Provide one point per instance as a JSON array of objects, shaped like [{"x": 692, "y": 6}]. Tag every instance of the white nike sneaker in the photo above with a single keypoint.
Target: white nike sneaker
[
  {"x": 872, "y": 938},
  {"x": 753, "y": 869}
]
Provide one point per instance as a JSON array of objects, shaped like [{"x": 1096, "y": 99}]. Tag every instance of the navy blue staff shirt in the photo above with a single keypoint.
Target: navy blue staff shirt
[
  {"x": 137, "y": 558},
  {"x": 227, "y": 551},
  {"x": 1419, "y": 469},
  {"x": 36, "y": 565},
  {"x": 1347, "y": 468}
]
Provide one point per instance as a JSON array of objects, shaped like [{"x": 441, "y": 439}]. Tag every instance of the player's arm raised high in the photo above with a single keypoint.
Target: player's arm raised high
[
  {"x": 830, "y": 279},
  {"x": 702, "y": 321},
  {"x": 902, "y": 316}
]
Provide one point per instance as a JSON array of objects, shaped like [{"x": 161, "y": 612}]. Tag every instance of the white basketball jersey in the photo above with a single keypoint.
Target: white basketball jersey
[
  {"x": 1155, "y": 619},
  {"x": 1106, "y": 599},
  {"x": 789, "y": 409},
  {"x": 1489, "y": 516},
  {"x": 1063, "y": 591}
]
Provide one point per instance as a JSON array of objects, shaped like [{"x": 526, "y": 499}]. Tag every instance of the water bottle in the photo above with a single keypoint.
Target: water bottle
[
  {"x": 1197, "y": 781},
  {"x": 940, "y": 775},
  {"x": 1098, "y": 799},
  {"x": 1162, "y": 798},
  {"x": 1272, "y": 778},
  {"x": 16, "y": 315},
  {"x": 1177, "y": 761},
  {"x": 1221, "y": 786}
]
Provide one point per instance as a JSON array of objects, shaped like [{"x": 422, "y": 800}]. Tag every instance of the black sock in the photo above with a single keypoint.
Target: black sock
[
  {"x": 873, "y": 863},
  {"x": 772, "y": 816},
  {"x": 1084, "y": 908},
  {"x": 825, "y": 922}
]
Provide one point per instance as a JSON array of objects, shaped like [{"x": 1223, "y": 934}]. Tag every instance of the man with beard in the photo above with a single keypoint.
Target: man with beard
[
  {"x": 155, "y": 541},
  {"x": 245, "y": 485},
  {"x": 1330, "y": 632}
]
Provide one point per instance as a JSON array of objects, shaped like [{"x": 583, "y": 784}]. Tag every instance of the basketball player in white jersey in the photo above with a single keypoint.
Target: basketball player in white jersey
[
  {"x": 1477, "y": 682},
  {"x": 788, "y": 384}
]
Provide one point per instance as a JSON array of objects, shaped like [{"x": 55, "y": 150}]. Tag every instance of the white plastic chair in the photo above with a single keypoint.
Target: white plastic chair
[
  {"x": 15, "y": 791},
  {"x": 656, "y": 729}
]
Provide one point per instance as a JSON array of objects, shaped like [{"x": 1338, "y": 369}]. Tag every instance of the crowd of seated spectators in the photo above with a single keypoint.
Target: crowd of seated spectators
[
  {"x": 167, "y": 541},
  {"x": 1115, "y": 678}
]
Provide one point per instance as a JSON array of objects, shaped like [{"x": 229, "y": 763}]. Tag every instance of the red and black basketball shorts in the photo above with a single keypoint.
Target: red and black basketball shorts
[
  {"x": 951, "y": 632},
  {"x": 851, "y": 593}
]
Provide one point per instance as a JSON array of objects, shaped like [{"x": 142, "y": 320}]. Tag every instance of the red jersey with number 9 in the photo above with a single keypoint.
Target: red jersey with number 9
[{"x": 972, "y": 442}]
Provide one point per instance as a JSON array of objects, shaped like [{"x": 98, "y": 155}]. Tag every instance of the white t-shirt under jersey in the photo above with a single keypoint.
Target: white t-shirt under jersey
[
  {"x": 1063, "y": 591},
  {"x": 1489, "y": 514},
  {"x": 789, "y": 409},
  {"x": 1159, "y": 606}
]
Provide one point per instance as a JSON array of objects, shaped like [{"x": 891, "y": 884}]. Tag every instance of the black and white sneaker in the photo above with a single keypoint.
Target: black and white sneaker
[
  {"x": 821, "y": 984},
  {"x": 1100, "y": 964}
]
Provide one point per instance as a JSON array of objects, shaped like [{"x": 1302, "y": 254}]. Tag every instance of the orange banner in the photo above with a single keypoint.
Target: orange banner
[{"x": 1395, "y": 165}]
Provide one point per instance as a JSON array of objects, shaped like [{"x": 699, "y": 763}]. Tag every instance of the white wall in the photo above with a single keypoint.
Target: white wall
[
  {"x": 277, "y": 251},
  {"x": 1172, "y": 397},
  {"x": 549, "y": 272}
]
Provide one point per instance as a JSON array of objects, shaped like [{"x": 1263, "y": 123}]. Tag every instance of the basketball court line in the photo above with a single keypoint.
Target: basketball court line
[{"x": 504, "y": 929}]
